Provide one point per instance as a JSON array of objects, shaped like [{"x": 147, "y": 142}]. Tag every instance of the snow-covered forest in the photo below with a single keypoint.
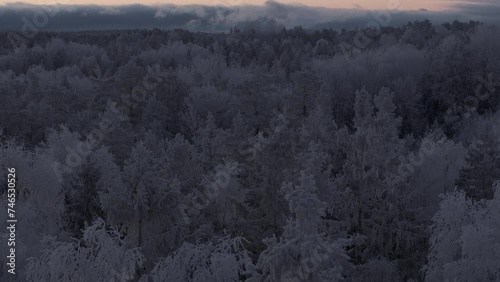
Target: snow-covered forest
[{"x": 278, "y": 156}]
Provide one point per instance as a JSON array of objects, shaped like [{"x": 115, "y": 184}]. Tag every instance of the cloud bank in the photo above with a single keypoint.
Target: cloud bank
[
  {"x": 221, "y": 18},
  {"x": 481, "y": 10}
]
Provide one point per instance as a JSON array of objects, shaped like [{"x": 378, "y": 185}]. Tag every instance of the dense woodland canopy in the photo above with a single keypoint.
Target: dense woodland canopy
[{"x": 298, "y": 155}]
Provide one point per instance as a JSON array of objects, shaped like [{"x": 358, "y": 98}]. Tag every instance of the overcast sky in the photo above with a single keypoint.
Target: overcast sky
[
  {"x": 366, "y": 4},
  {"x": 435, "y": 5},
  {"x": 221, "y": 14}
]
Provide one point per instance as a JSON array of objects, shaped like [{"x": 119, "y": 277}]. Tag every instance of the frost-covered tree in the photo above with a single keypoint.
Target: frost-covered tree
[
  {"x": 144, "y": 202},
  {"x": 436, "y": 166},
  {"x": 465, "y": 242},
  {"x": 38, "y": 201},
  {"x": 378, "y": 204},
  {"x": 218, "y": 206},
  {"x": 210, "y": 141},
  {"x": 224, "y": 260},
  {"x": 81, "y": 198},
  {"x": 483, "y": 168},
  {"x": 101, "y": 255},
  {"x": 303, "y": 254}
]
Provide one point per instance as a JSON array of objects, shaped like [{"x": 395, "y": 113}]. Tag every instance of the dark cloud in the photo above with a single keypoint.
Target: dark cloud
[
  {"x": 220, "y": 18},
  {"x": 485, "y": 10}
]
